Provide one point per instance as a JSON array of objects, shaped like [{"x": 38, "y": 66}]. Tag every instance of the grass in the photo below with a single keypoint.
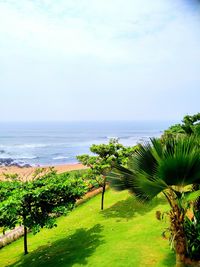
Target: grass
[{"x": 126, "y": 233}]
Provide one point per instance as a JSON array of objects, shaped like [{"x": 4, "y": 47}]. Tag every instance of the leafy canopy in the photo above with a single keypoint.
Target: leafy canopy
[
  {"x": 36, "y": 203},
  {"x": 104, "y": 157},
  {"x": 190, "y": 125}
]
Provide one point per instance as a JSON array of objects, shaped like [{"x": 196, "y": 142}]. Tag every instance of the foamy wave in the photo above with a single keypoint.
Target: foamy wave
[
  {"x": 32, "y": 145},
  {"x": 24, "y": 146},
  {"x": 60, "y": 157},
  {"x": 35, "y": 145},
  {"x": 17, "y": 157},
  {"x": 26, "y": 157},
  {"x": 4, "y": 156}
]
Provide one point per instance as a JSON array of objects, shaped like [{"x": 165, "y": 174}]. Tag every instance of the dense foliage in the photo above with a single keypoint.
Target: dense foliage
[
  {"x": 190, "y": 126},
  {"x": 192, "y": 231},
  {"x": 36, "y": 203}
]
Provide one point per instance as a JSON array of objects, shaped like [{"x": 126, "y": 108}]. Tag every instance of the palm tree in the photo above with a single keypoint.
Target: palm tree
[{"x": 169, "y": 168}]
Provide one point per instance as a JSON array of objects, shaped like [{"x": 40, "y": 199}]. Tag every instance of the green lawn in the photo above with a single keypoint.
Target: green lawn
[{"x": 125, "y": 234}]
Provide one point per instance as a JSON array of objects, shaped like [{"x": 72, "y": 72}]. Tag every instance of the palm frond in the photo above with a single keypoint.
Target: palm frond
[
  {"x": 120, "y": 178},
  {"x": 144, "y": 160},
  {"x": 180, "y": 164},
  {"x": 157, "y": 166},
  {"x": 146, "y": 188}
]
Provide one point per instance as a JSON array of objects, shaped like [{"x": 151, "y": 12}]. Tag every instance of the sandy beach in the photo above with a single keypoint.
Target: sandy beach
[{"x": 28, "y": 171}]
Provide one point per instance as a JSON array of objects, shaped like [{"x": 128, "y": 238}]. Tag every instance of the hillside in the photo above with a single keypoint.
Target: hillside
[{"x": 126, "y": 233}]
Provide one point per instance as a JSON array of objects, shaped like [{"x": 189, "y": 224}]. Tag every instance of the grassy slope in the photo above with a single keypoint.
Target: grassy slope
[{"x": 124, "y": 234}]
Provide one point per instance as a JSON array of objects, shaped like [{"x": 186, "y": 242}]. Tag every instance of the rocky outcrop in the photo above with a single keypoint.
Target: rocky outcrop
[{"x": 6, "y": 162}]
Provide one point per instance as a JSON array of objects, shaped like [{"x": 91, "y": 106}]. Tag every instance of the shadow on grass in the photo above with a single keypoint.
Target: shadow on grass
[
  {"x": 74, "y": 249},
  {"x": 170, "y": 260},
  {"x": 130, "y": 207}
]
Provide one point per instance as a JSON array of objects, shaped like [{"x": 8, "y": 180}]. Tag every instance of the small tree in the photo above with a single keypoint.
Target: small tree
[
  {"x": 107, "y": 155},
  {"x": 35, "y": 204}
]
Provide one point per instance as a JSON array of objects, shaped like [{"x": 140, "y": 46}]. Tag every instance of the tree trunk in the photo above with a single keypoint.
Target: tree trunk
[
  {"x": 177, "y": 228},
  {"x": 102, "y": 195},
  {"x": 25, "y": 241},
  {"x": 179, "y": 261}
]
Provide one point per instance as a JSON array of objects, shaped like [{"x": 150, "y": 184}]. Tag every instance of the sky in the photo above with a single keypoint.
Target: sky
[{"x": 68, "y": 60}]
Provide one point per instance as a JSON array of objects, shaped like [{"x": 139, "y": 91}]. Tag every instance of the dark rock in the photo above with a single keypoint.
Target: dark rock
[
  {"x": 26, "y": 165},
  {"x": 7, "y": 162}
]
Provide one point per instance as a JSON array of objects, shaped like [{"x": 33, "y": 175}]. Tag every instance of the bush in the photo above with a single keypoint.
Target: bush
[{"x": 192, "y": 231}]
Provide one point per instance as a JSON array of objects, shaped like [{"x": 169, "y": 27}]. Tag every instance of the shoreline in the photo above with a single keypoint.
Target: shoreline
[{"x": 28, "y": 171}]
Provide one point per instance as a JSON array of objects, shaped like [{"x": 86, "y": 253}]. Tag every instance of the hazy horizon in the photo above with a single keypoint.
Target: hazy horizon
[
  {"x": 60, "y": 142},
  {"x": 39, "y": 123}
]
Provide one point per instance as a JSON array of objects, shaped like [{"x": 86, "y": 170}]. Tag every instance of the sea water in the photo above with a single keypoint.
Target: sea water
[{"x": 52, "y": 143}]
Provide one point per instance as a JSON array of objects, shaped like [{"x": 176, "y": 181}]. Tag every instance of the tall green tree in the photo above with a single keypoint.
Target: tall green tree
[
  {"x": 104, "y": 157},
  {"x": 35, "y": 204},
  {"x": 167, "y": 168},
  {"x": 190, "y": 126}
]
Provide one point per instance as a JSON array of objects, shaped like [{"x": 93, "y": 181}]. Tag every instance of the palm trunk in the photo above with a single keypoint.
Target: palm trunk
[
  {"x": 179, "y": 261},
  {"x": 177, "y": 215},
  {"x": 177, "y": 228}
]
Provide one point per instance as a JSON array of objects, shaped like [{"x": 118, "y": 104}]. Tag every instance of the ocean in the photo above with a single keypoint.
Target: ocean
[{"x": 46, "y": 143}]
